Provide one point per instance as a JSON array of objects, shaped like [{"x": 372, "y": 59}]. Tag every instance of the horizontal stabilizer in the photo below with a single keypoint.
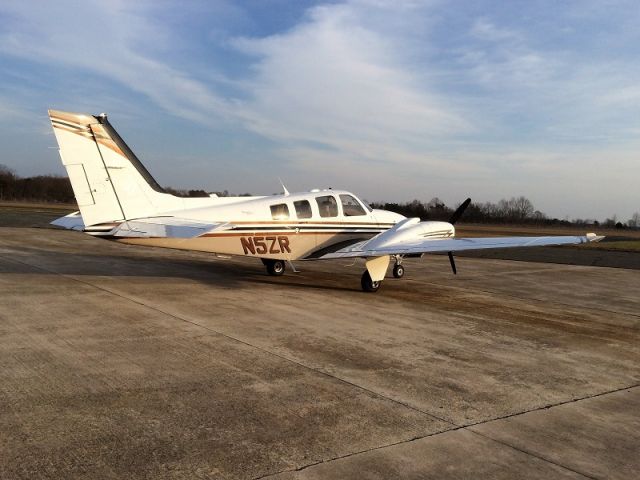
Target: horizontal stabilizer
[
  {"x": 166, "y": 227},
  {"x": 73, "y": 221}
]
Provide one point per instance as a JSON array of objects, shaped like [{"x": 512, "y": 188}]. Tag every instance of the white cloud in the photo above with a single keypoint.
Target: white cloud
[
  {"x": 484, "y": 29},
  {"x": 336, "y": 80}
]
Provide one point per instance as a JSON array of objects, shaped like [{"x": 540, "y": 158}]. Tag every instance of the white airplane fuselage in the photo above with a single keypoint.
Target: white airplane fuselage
[{"x": 284, "y": 227}]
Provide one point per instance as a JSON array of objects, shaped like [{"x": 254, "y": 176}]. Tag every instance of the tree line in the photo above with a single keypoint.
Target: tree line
[
  {"x": 54, "y": 188},
  {"x": 41, "y": 188},
  {"x": 520, "y": 210},
  {"x": 516, "y": 210}
]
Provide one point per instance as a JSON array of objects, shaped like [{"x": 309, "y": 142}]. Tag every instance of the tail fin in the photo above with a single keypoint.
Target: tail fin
[{"x": 109, "y": 182}]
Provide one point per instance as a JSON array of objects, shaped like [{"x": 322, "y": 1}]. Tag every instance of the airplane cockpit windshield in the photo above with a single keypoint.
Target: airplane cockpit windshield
[{"x": 350, "y": 206}]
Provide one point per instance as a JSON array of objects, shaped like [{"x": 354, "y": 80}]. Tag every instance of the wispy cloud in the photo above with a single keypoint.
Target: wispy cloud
[
  {"x": 106, "y": 38},
  {"x": 335, "y": 80}
]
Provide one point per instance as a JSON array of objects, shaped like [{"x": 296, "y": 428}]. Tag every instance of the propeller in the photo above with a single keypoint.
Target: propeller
[
  {"x": 453, "y": 263},
  {"x": 454, "y": 218},
  {"x": 458, "y": 213}
]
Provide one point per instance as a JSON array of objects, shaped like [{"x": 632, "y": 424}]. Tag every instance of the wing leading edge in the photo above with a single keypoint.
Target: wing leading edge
[{"x": 434, "y": 245}]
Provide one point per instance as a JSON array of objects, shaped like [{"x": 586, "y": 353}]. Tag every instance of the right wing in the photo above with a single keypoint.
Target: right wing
[
  {"x": 411, "y": 236},
  {"x": 435, "y": 245}
]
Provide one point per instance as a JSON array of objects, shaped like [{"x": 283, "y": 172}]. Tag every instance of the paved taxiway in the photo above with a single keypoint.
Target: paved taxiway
[{"x": 126, "y": 362}]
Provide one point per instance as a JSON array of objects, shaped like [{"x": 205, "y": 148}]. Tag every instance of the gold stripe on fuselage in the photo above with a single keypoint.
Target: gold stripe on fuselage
[{"x": 282, "y": 244}]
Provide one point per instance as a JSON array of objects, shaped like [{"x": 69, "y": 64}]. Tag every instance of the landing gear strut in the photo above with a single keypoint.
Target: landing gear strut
[
  {"x": 398, "y": 269},
  {"x": 274, "y": 267},
  {"x": 369, "y": 285}
]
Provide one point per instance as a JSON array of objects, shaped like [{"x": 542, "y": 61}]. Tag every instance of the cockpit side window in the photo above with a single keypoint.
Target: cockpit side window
[
  {"x": 280, "y": 211},
  {"x": 327, "y": 206},
  {"x": 303, "y": 208},
  {"x": 351, "y": 207}
]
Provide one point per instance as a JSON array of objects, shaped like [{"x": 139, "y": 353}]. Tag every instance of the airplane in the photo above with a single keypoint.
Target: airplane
[{"x": 119, "y": 200}]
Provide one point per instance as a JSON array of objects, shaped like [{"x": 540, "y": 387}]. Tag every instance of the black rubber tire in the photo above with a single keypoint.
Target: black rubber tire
[
  {"x": 398, "y": 271},
  {"x": 274, "y": 267},
  {"x": 369, "y": 285}
]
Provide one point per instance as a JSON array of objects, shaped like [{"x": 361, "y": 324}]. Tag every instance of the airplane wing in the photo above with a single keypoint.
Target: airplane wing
[{"x": 414, "y": 237}]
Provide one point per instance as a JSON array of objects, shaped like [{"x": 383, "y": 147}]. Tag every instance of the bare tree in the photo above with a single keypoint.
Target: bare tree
[{"x": 7, "y": 182}]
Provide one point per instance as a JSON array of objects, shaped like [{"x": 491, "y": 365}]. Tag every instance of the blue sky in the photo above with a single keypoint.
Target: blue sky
[{"x": 394, "y": 100}]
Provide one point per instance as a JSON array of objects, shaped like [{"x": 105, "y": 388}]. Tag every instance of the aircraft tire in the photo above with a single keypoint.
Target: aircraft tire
[
  {"x": 369, "y": 285},
  {"x": 398, "y": 271},
  {"x": 274, "y": 267}
]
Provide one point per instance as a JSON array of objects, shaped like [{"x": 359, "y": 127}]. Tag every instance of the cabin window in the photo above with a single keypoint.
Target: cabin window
[
  {"x": 351, "y": 207},
  {"x": 303, "y": 208},
  {"x": 280, "y": 211},
  {"x": 327, "y": 206}
]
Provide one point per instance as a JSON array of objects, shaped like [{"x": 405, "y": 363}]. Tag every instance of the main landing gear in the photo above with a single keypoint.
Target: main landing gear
[
  {"x": 274, "y": 267},
  {"x": 369, "y": 285}
]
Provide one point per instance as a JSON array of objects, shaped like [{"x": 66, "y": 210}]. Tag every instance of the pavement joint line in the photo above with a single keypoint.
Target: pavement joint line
[
  {"x": 553, "y": 405},
  {"x": 468, "y": 427},
  {"x": 359, "y": 387},
  {"x": 352, "y": 454},
  {"x": 539, "y": 457}
]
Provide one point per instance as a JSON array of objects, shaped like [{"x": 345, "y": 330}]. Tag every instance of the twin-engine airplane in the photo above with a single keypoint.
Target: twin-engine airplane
[{"x": 119, "y": 200}]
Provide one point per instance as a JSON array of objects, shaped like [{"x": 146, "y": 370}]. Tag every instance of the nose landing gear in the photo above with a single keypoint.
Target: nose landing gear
[{"x": 398, "y": 269}]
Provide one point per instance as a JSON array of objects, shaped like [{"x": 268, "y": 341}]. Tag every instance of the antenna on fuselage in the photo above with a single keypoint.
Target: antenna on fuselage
[{"x": 286, "y": 192}]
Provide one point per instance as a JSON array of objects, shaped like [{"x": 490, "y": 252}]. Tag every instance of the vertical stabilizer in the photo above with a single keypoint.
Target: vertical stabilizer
[{"x": 109, "y": 182}]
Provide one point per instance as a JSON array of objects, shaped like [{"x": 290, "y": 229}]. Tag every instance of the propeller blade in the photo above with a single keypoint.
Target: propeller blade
[
  {"x": 458, "y": 213},
  {"x": 453, "y": 263}
]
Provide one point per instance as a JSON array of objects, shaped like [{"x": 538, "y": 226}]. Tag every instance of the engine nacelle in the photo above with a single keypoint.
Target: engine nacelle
[{"x": 412, "y": 229}]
